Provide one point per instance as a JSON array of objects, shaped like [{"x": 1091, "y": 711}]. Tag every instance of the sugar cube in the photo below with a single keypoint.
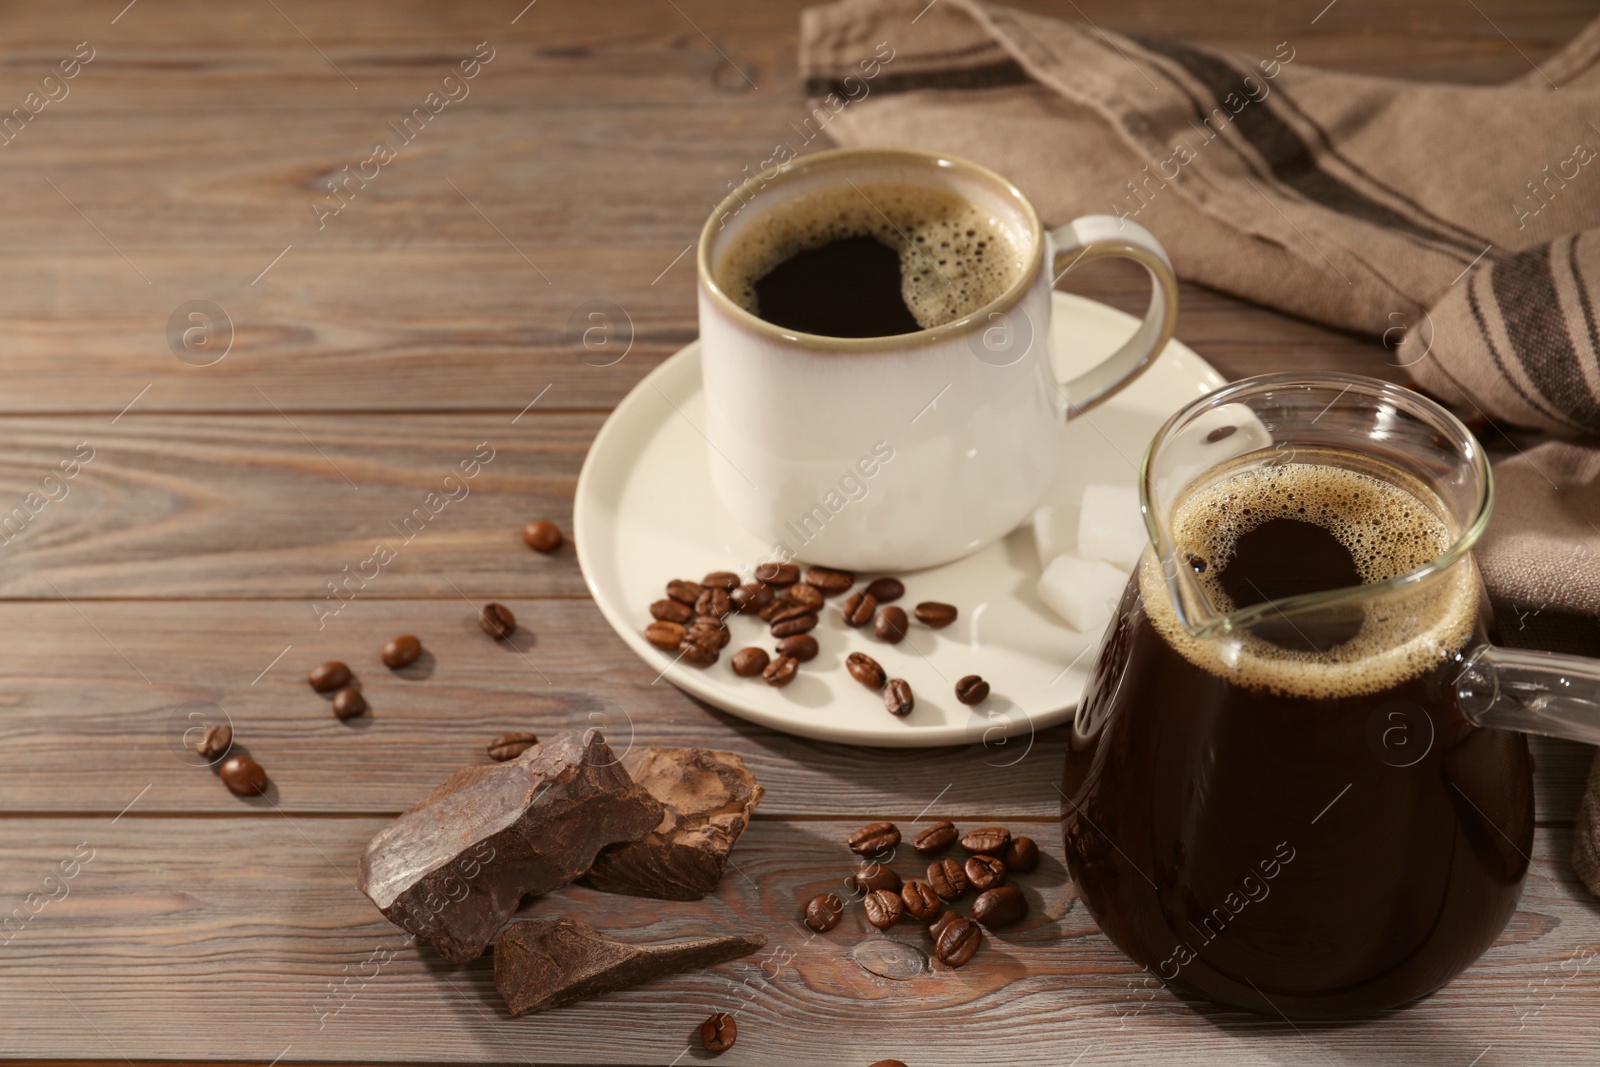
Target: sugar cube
[
  {"x": 1084, "y": 592},
  {"x": 1111, "y": 526},
  {"x": 1055, "y": 530}
]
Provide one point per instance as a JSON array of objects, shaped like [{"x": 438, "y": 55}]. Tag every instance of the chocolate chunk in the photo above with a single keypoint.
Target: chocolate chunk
[
  {"x": 541, "y": 964},
  {"x": 453, "y": 869},
  {"x": 707, "y": 799}
]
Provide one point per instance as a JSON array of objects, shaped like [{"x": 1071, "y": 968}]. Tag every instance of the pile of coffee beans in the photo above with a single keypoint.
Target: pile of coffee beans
[
  {"x": 993, "y": 856},
  {"x": 692, "y": 621}
]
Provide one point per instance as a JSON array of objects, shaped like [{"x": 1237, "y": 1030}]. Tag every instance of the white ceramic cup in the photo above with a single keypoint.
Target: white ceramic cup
[{"x": 893, "y": 453}]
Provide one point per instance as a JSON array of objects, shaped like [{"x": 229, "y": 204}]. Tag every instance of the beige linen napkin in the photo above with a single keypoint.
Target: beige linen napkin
[{"x": 1460, "y": 225}]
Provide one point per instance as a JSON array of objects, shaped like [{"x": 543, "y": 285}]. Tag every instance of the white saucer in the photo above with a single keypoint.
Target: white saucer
[{"x": 646, "y": 513}]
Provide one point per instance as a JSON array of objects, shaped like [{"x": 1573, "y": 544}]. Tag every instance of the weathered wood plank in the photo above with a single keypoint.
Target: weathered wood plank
[{"x": 250, "y": 941}]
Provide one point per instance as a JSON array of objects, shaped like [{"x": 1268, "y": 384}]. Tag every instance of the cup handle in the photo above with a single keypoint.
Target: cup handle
[{"x": 1106, "y": 235}]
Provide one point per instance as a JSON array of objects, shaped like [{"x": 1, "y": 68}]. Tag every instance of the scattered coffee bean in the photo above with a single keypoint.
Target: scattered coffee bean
[
  {"x": 541, "y": 536},
  {"x": 898, "y": 698},
  {"x": 664, "y": 635},
  {"x": 348, "y": 703},
  {"x": 985, "y": 872},
  {"x": 684, "y": 591},
  {"x": 873, "y": 876},
  {"x": 990, "y": 840},
  {"x": 671, "y": 611},
  {"x": 936, "y": 927},
  {"x": 934, "y": 614},
  {"x": 805, "y": 595},
  {"x": 401, "y": 651},
  {"x": 713, "y": 602},
  {"x": 1220, "y": 433},
  {"x": 719, "y": 1032},
  {"x": 936, "y": 838},
  {"x": 1021, "y": 856},
  {"x": 751, "y": 597},
  {"x": 243, "y": 776},
  {"x": 1004, "y": 905},
  {"x": 215, "y": 742},
  {"x": 830, "y": 581},
  {"x": 884, "y": 590},
  {"x": 778, "y": 573},
  {"x": 698, "y": 650},
  {"x": 498, "y": 622},
  {"x": 329, "y": 677},
  {"x": 883, "y": 908},
  {"x": 859, "y": 609},
  {"x": 778, "y": 606},
  {"x": 711, "y": 631},
  {"x": 958, "y": 942},
  {"x": 510, "y": 746},
  {"x": 802, "y": 647},
  {"x": 891, "y": 625},
  {"x": 874, "y": 837},
  {"x": 727, "y": 581},
  {"x": 920, "y": 901},
  {"x": 824, "y": 911},
  {"x": 749, "y": 662},
  {"x": 948, "y": 879},
  {"x": 781, "y": 671},
  {"x": 864, "y": 669},
  {"x": 802, "y": 622},
  {"x": 972, "y": 690}
]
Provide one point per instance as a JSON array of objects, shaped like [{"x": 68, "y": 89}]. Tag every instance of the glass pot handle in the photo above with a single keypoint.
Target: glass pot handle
[
  {"x": 1094, "y": 236},
  {"x": 1532, "y": 692}
]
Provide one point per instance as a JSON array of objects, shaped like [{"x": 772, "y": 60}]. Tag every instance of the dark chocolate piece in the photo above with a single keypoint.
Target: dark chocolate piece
[
  {"x": 708, "y": 797},
  {"x": 453, "y": 869},
  {"x": 541, "y": 964}
]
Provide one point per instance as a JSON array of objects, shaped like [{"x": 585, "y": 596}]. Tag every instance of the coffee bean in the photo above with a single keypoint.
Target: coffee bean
[
  {"x": 401, "y": 651},
  {"x": 684, "y": 591},
  {"x": 936, "y": 838},
  {"x": 990, "y": 840},
  {"x": 712, "y": 632},
  {"x": 958, "y": 943},
  {"x": 824, "y": 911},
  {"x": 934, "y": 614},
  {"x": 884, "y": 590},
  {"x": 805, "y": 595},
  {"x": 749, "y": 662},
  {"x": 803, "y": 622},
  {"x": 727, "y": 581},
  {"x": 920, "y": 901},
  {"x": 985, "y": 872},
  {"x": 329, "y": 677},
  {"x": 948, "y": 879},
  {"x": 830, "y": 581},
  {"x": 671, "y": 611},
  {"x": 719, "y": 1032},
  {"x": 864, "y": 669},
  {"x": 243, "y": 776},
  {"x": 936, "y": 927},
  {"x": 698, "y": 650},
  {"x": 1220, "y": 433},
  {"x": 1004, "y": 905},
  {"x": 664, "y": 635},
  {"x": 751, "y": 597},
  {"x": 874, "y": 837},
  {"x": 898, "y": 698},
  {"x": 888, "y": 1063},
  {"x": 1021, "y": 855},
  {"x": 781, "y": 671},
  {"x": 713, "y": 602},
  {"x": 872, "y": 876},
  {"x": 972, "y": 690},
  {"x": 859, "y": 609},
  {"x": 215, "y": 742},
  {"x": 541, "y": 535},
  {"x": 349, "y": 703},
  {"x": 802, "y": 647},
  {"x": 510, "y": 746},
  {"x": 891, "y": 625},
  {"x": 883, "y": 908},
  {"x": 778, "y": 573},
  {"x": 498, "y": 622}
]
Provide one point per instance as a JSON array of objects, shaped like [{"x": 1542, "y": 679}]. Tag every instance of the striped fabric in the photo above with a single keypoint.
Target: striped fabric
[{"x": 1459, "y": 226}]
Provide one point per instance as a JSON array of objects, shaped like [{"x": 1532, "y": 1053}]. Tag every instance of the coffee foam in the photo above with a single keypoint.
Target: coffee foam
[
  {"x": 1389, "y": 530},
  {"x": 955, "y": 257}
]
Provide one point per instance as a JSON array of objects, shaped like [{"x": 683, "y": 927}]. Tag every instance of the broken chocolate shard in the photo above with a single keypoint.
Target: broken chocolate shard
[
  {"x": 453, "y": 869},
  {"x": 708, "y": 797},
  {"x": 541, "y": 964}
]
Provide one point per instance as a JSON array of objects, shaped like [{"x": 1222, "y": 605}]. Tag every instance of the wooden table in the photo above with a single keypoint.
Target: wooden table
[{"x": 187, "y": 564}]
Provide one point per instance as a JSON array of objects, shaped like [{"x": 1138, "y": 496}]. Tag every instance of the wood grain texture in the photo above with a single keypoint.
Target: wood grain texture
[{"x": 252, "y": 941}]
